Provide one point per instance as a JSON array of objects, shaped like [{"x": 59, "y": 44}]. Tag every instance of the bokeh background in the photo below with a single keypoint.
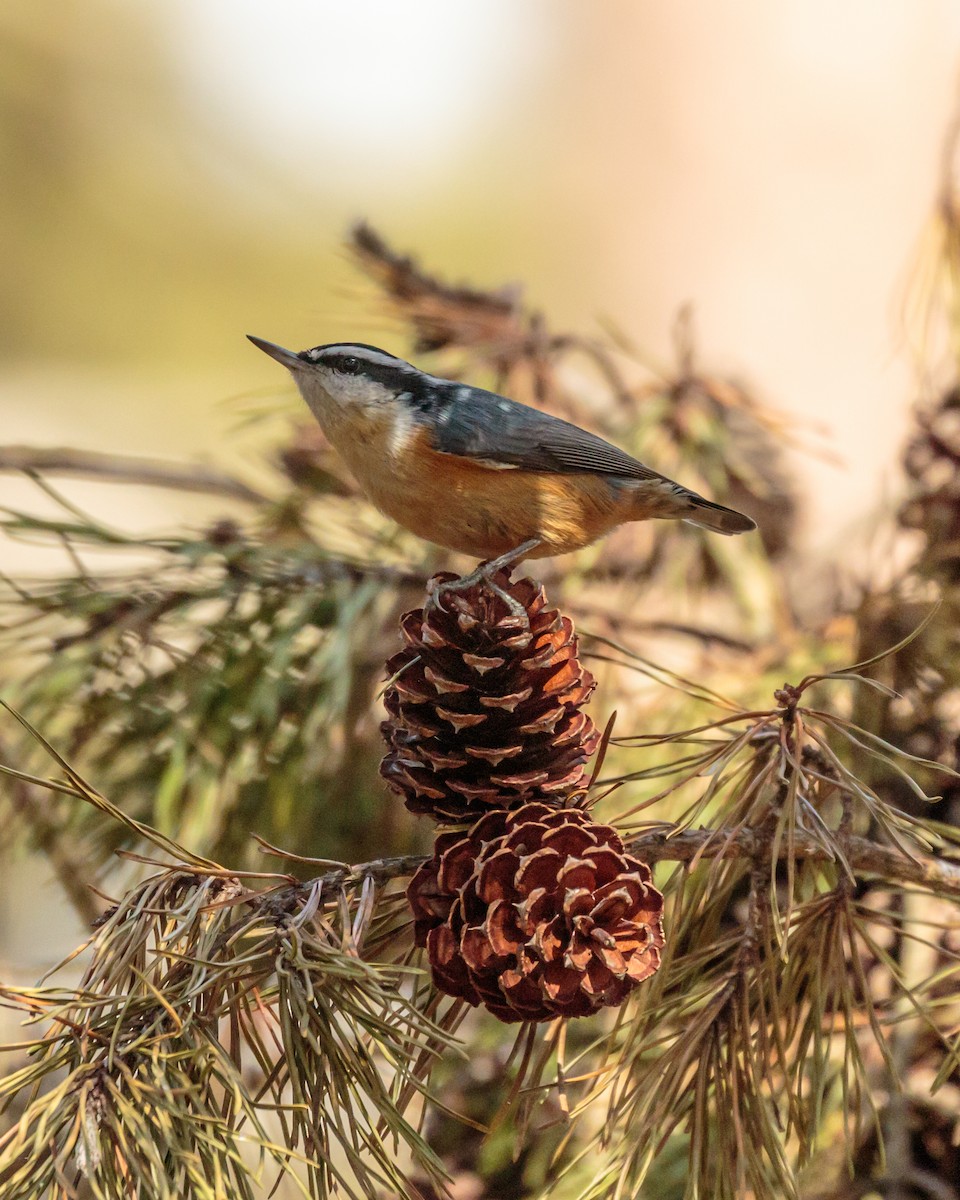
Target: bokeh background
[{"x": 176, "y": 174}]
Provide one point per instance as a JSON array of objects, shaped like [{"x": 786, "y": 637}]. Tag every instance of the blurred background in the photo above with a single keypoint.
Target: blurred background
[{"x": 178, "y": 174}]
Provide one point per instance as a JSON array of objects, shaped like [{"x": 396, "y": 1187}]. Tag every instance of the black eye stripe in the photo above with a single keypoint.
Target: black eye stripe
[
  {"x": 369, "y": 363},
  {"x": 392, "y": 373}
]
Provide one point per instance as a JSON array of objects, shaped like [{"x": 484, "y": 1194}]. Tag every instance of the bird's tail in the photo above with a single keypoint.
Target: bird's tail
[{"x": 715, "y": 517}]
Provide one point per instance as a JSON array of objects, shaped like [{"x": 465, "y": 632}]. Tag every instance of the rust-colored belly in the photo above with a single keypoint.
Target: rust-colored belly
[
  {"x": 478, "y": 510},
  {"x": 485, "y": 512}
]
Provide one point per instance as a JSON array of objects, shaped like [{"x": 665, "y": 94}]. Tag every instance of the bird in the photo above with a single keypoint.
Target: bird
[{"x": 476, "y": 472}]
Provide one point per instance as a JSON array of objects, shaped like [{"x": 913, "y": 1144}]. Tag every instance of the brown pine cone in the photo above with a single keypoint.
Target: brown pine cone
[
  {"x": 537, "y": 913},
  {"x": 484, "y": 709}
]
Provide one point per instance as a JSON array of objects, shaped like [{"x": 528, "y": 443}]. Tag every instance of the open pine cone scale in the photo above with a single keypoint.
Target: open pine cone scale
[
  {"x": 484, "y": 710},
  {"x": 537, "y": 913}
]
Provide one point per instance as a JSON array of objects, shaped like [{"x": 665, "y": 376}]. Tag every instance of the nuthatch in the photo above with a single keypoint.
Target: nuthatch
[{"x": 473, "y": 471}]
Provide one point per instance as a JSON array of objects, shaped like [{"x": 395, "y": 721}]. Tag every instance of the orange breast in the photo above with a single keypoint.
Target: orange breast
[{"x": 479, "y": 510}]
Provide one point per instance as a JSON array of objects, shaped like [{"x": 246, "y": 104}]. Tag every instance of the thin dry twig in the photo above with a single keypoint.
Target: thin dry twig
[
  {"x": 674, "y": 844},
  {"x": 121, "y": 468}
]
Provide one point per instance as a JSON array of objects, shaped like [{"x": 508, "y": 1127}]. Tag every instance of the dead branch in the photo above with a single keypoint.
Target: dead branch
[
  {"x": 667, "y": 845},
  {"x": 117, "y": 468}
]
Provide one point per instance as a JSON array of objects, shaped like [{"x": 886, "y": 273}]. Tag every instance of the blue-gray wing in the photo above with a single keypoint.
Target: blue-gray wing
[{"x": 483, "y": 425}]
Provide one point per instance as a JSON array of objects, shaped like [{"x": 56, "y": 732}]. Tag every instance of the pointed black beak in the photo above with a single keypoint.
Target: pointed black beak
[{"x": 287, "y": 358}]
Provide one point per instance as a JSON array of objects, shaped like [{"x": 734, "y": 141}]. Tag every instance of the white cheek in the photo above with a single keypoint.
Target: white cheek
[
  {"x": 328, "y": 391},
  {"x": 354, "y": 389}
]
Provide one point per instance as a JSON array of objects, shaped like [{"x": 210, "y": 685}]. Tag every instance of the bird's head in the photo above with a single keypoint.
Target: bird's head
[{"x": 344, "y": 374}]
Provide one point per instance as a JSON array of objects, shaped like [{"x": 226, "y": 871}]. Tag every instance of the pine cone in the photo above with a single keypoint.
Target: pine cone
[
  {"x": 537, "y": 913},
  {"x": 484, "y": 709}
]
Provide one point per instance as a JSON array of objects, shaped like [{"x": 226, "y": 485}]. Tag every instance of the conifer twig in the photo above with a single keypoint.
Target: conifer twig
[
  {"x": 667, "y": 844},
  {"x": 50, "y": 840},
  {"x": 863, "y": 854},
  {"x": 122, "y": 468}
]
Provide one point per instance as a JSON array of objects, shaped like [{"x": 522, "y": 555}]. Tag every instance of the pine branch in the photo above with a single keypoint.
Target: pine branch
[
  {"x": 49, "y": 837},
  {"x": 214, "y": 1020},
  {"x": 864, "y": 855},
  {"x": 119, "y": 468}
]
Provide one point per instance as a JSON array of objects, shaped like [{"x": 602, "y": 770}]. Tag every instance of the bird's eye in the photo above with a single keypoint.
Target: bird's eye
[{"x": 350, "y": 365}]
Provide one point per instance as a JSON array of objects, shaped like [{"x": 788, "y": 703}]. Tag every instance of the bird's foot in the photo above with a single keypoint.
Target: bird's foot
[{"x": 485, "y": 574}]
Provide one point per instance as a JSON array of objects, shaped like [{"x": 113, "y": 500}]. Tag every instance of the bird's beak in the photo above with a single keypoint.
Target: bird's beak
[{"x": 287, "y": 358}]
